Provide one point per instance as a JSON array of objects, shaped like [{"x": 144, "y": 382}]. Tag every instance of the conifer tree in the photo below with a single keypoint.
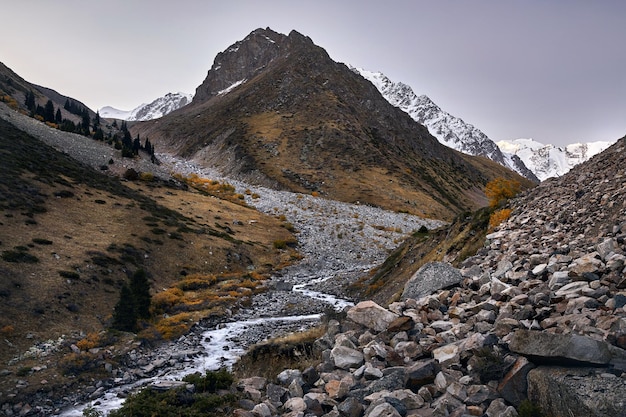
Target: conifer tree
[
  {"x": 140, "y": 288},
  {"x": 136, "y": 145},
  {"x": 86, "y": 122},
  {"x": 58, "y": 118},
  {"x": 30, "y": 101},
  {"x": 124, "y": 313},
  {"x": 48, "y": 112},
  {"x": 99, "y": 135}
]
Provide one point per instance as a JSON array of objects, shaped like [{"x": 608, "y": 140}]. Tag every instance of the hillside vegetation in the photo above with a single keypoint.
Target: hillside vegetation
[{"x": 72, "y": 236}]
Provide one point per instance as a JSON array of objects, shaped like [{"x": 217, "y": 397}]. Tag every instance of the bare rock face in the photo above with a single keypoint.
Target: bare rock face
[
  {"x": 241, "y": 61},
  {"x": 431, "y": 277}
]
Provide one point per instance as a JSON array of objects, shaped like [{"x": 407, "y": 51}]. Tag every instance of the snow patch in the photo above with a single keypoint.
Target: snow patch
[{"x": 232, "y": 87}]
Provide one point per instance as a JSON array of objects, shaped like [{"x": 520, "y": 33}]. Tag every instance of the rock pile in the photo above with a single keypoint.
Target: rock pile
[{"x": 539, "y": 314}]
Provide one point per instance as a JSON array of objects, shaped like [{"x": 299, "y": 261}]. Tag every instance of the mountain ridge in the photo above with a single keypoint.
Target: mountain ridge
[
  {"x": 157, "y": 108},
  {"x": 306, "y": 123},
  {"x": 552, "y": 161},
  {"x": 448, "y": 129}
]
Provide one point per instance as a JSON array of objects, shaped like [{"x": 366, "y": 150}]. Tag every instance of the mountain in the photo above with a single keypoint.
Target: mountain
[
  {"x": 276, "y": 110},
  {"x": 157, "y": 108},
  {"x": 551, "y": 161},
  {"x": 448, "y": 129}
]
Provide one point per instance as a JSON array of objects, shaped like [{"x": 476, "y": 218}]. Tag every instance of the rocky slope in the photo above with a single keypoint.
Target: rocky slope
[
  {"x": 448, "y": 129},
  {"x": 539, "y": 313},
  {"x": 548, "y": 160},
  {"x": 153, "y": 110},
  {"x": 275, "y": 110}
]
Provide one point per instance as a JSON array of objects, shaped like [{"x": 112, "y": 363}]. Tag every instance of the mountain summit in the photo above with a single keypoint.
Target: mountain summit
[{"x": 277, "y": 110}]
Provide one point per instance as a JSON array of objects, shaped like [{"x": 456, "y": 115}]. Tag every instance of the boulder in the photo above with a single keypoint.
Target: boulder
[
  {"x": 429, "y": 278},
  {"x": 544, "y": 347},
  {"x": 577, "y": 392},
  {"x": 514, "y": 387},
  {"x": 383, "y": 409},
  {"x": 371, "y": 315},
  {"x": 350, "y": 407},
  {"x": 346, "y": 358},
  {"x": 421, "y": 373}
]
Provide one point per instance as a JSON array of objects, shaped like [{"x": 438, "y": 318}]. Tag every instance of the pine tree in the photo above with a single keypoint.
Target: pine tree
[
  {"x": 96, "y": 120},
  {"x": 58, "y": 118},
  {"x": 136, "y": 145},
  {"x": 148, "y": 147},
  {"x": 140, "y": 287},
  {"x": 86, "y": 122},
  {"x": 48, "y": 113},
  {"x": 124, "y": 313},
  {"x": 99, "y": 135},
  {"x": 30, "y": 101}
]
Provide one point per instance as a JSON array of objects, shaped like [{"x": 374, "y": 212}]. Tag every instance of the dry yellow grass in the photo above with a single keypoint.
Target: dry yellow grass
[{"x": 88, "y": 232}]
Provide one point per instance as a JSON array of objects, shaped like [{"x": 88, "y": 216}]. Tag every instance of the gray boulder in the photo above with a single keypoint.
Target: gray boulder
[
  {"x": 560, "y": 348},
  {"x": 429, "y": 278},
  {"x": 371, "y": 315},
  {"x": 577, "y": 392}
]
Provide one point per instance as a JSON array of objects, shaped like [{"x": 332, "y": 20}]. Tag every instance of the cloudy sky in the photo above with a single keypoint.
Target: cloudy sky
[{"x": 554, "y": 71}]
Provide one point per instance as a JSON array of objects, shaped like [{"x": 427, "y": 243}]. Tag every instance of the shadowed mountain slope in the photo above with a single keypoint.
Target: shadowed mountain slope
[{"x": 277, "y": 110}]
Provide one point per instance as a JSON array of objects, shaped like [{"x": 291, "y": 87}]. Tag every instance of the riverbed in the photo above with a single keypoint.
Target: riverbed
[{"x": 340, "y": 242}]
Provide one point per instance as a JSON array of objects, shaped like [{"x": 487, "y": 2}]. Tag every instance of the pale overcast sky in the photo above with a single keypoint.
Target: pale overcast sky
[{"x": 554, "y": 71}]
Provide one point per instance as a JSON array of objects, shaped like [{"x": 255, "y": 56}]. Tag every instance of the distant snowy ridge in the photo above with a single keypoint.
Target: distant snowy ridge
[
  {"x": 158, "y": 108},
  {"x": 548, "y": 160},
  {"x": 449, "y": 130}
]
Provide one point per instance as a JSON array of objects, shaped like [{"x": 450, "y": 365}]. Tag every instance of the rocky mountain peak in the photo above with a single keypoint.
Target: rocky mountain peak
[
  {"x": 242, "y": 61},
  {"x": 277, "y": 110}
]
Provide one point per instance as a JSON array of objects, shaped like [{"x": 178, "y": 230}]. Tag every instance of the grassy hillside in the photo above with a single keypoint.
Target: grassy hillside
[{"x": 70, "y": 237}]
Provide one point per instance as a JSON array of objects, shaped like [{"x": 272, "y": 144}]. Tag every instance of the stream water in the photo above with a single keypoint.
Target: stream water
[{"x": 339, "y": 242}]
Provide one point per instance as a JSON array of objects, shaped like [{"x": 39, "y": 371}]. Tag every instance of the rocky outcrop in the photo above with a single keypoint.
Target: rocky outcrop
[{"x": 241, "y": 61}]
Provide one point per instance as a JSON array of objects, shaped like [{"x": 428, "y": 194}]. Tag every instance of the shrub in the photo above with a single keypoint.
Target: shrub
[
  {"x": 131, "y": 174},
  {"x": 40, "y": 241},
  {"x": 19, "y": 256},
  {"x": 92, "y": 340},
  {"x": 499, "y": 190},
  {"x": 498, "y": 217},
  {"x": 489, "y": 365},
  {"x": 146, "y": 176},
  {"x": 7, "y": 330},
  {"x": 211, "y": 382},
  {"x": 163, "y": 301},
  {"x": 280, "y": 244},
  {"x": 77, "y": 363},
  {"x": 69, "y": 274},
  {"x": 174, "y": 326}
]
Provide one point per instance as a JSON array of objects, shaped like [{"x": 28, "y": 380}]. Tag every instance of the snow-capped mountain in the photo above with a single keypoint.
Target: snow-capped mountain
[
  {"x": 449, "y": 130},
  {"x": 548, "y": 160},
  {"x": 158, "y": 108}
]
